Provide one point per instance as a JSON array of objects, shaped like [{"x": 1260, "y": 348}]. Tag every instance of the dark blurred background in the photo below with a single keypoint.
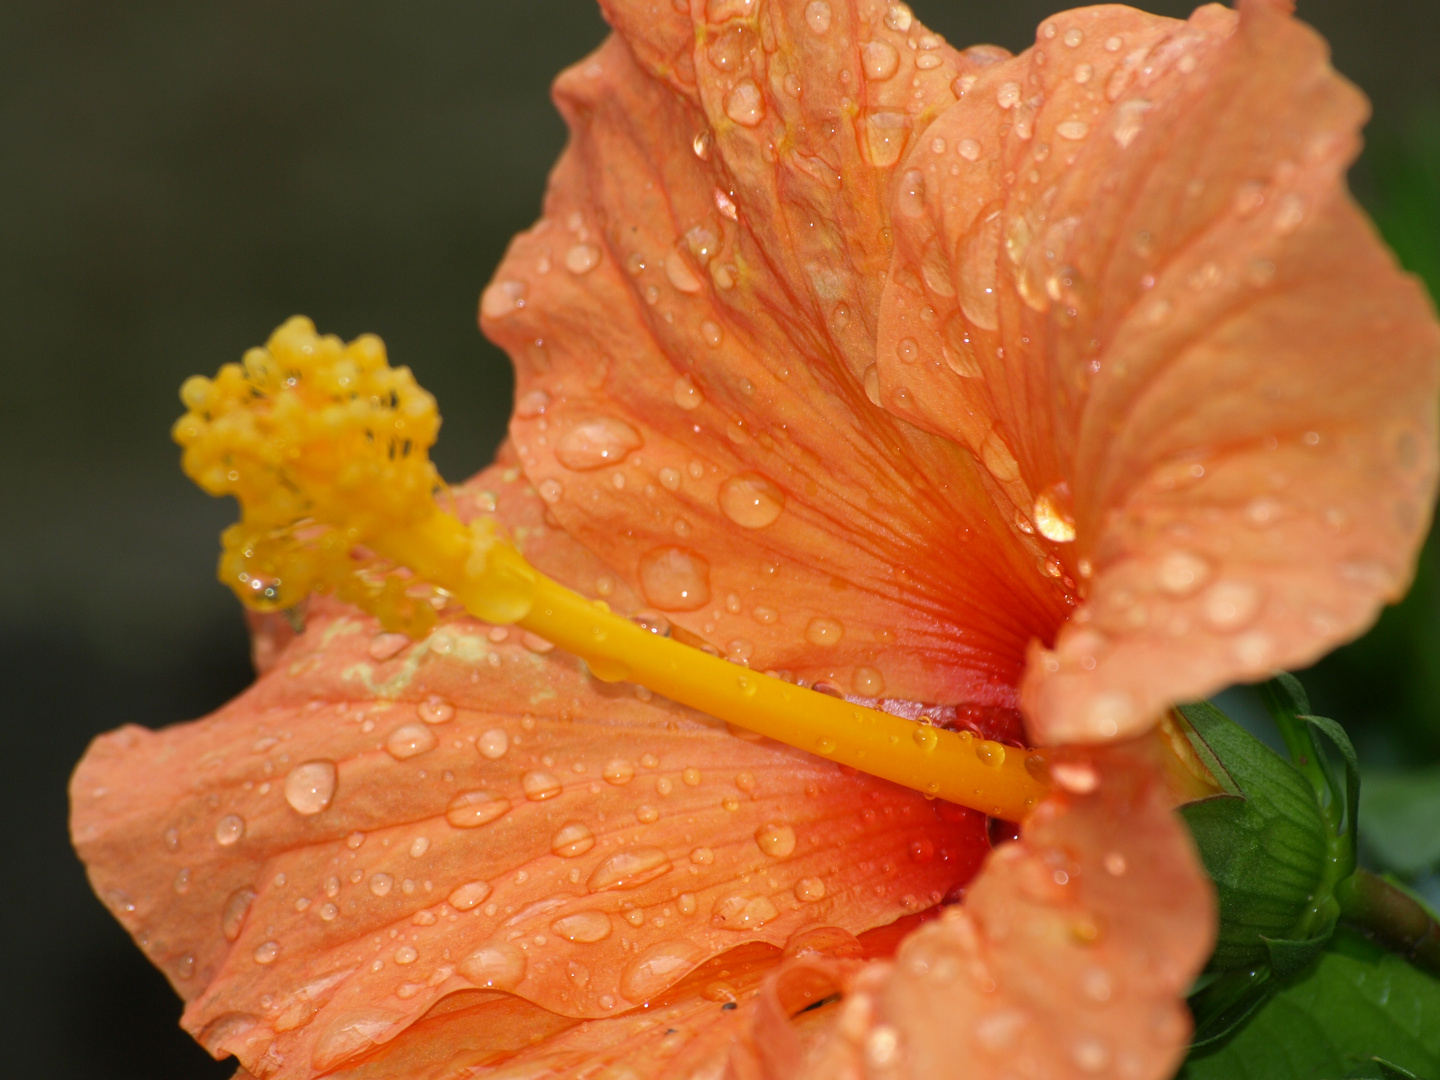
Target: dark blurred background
[{"x": 176, "y": 179}]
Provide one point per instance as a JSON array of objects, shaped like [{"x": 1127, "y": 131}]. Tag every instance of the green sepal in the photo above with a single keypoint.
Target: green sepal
[
  {"x": 1227, "y": 1001},
  {"x": 1290, "y": 957},
  {"x": 1264, "y": 843}
]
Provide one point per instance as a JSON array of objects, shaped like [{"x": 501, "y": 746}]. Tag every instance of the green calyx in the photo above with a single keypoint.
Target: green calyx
[{"x": 1277, "y": 843}]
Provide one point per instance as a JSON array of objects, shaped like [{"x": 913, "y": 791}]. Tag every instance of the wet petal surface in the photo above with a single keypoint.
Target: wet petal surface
[
  {"x": 369, "y": 831},
  {"x": 1135, "y": 267}
]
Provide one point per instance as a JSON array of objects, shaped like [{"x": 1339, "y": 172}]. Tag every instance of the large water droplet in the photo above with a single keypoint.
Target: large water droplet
[
  {"x": 818, "y": 16},
  {"x": 470, "y": 895},
  {"x": 595, "y": 443},
  {"x": 496, "y": 964},
  {"x": 879, "y": 59},
  {"x": 679, "y": 274},
  {"x": 619, "y": 772},
  {"x": 493, "y": 744},
  {"x": 350, "y": 1034},
  {"x": 745, "y": 104},
  {"x": 310, "y": 787},
  {"x": 886, "y": 131},
  {"x": 675, "y": 579},
  {"x": 823, "y": 631},
  {"x": 1181, "y": 573},
  {"x": 229, "y": 830},
  {"x": 582, "y": 258},
  {"x": 867, "y": 682},
  {"x": 777, "y": 841},
  {"x": 539, "y": 785},
  {"x": 810, "y": 889},
  {"x": 572, "y": 839},
  {"x": 1052, "y": 514},
  {"x": 658, "y": 968},
  {"x": 381, "y": 884},
  {"x": 750, "y": 500},
  {"x": 586, "y": 927},
  {"x": 410, "y": 740},
  {"x": 743, "y": 911},
  {"x": 629, "y": 869},
  {"x": 471, "y": 809},
  {"x": 687, "y": 395},
  {"x": 1230, "y": 605}
]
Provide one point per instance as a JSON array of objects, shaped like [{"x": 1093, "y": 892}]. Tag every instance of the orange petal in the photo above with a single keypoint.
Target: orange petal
[
  {"x": 1128, "y": 271},
  {"x": 691, "y": 332},
  {"x": 1068, "y": 957},
  {"x": 378, "y": 824}
]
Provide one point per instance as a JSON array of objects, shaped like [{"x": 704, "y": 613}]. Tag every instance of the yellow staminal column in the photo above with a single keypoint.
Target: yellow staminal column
[{"x": 326, "y": 448}]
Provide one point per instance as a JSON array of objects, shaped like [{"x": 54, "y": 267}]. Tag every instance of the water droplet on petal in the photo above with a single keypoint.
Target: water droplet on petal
[
  {"x": 818, "y": 16},
  {"x": 381, "y": 884},
  {"x": 886, "y": 132},
  {"x": 436, "y": 710},
  {"x": 493, "y": 744},
  {"x": 266, "y": 952},
  {"x": 879, "y": 59},
  {"x": 1052, "y": 514},
  {"x": 471, "y": 809},
  {"x": 582, "y": 258},
  {"x": 867, "y": 682},
  {"x": 1129, "y": 119},
  {"x": 385, "y": 646},
  {"x": 1230, "y": 605},
  {"x": 871, "y": 380},
  {"x": 745, "y": 104},
  {"x": 1074, "y": 130},
  {"x": 573, "y": 838},
  {"x": 496, "y": 964},
  {"x": 679, "y": 274},
  {"x": 777, "y": 841},
  {"x": 899, "y": 17},
  {"x": 823, "y": 631},
  {"x": 629, "y": 869},
  {"x": 310, "y": 787},
  {"x": 810, "y": 889},
  {"x": 1181, "y": 573},
  {"x": 551, "y": 490},
  {"x": 742, "y": 911},
  {"x": 658, "y": 968},
  {"x": 675, "y": 579},
  {"x": 229, "y": 830},
  {"x": 968, "y": 149},
  {"x": 349, "y": 1035},
  {"x": 232, "y": 916},
  {"x": 585, "y": 927},
  {"x": 687, "y": 395},
  {"x": 470, "y": 895},
  {"x": 539, "y": 785},
  {"x": 410, "y": 740},
  {"x": 595, "y": 443},
  {"x": 501, "y": 298},
  {"x": 531, "y": 404},
  {"x": 751, "y": 501}
]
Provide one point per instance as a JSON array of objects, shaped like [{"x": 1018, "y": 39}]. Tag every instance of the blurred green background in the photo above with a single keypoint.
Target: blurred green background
[{"x": 176, "y": 179}]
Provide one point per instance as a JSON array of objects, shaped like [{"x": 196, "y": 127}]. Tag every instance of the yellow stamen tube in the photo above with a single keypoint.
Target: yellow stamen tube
[{"x": 326, "y": 447}]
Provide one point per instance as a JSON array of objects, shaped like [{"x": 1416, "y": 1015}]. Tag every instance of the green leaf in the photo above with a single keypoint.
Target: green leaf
[
  {"x": 1400, "y": 820},
  {"x": 1357, "y": 1005},
  {"x": 1227, "y": 1002},
  {"x": 1265, "y": 845}
]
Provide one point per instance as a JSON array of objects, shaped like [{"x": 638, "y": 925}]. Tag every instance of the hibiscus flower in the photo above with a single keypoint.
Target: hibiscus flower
[{"x": 1025, "y": 395}]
